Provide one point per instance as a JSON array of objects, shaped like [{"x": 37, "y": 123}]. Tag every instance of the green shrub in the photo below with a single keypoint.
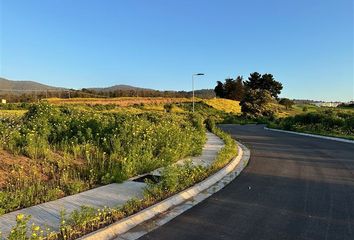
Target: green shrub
[
  {"x": 327, "y": 122},
  {"x": 168, "y": 107}
]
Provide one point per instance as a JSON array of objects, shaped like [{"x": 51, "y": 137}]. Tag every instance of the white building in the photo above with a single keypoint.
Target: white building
[
  {"x": 3, "y": 101},
  {"x": 327, "y": 104}
]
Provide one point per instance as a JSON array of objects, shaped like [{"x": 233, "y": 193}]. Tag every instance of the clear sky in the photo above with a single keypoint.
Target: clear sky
[{"x": 306, "y": 44}]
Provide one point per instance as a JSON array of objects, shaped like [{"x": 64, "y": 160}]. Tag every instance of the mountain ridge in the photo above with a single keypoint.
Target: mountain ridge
[
  {"x": 119, "y": 87},
  {"x": 24, "y": 85}
]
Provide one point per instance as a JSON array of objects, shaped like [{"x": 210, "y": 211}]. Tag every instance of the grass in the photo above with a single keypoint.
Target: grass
[
  {"x": 327, "y": 122},
  {"x": 175, "y": 178},
  {"x": 225, "y": 105},
  {"x": 281, "y": 111},
  {"x": 12, "y": 113},
  {"x": 122, "y": 101},
  {"x": 71, "y": 150}
]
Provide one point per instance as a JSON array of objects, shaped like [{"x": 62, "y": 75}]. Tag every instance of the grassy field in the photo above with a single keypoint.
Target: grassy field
[
  {"x": 48, "y": 151},
  {"x": 282, "y": 111},
  {"x": 122, "y": 101},
  {"x": 52, "y": 151},
  {"x": 12, "y": 113},
  {"x": 113, "y": 147},
  {"x": 226, "y": 105}
]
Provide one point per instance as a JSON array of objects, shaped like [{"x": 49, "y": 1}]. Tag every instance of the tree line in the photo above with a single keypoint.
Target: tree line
[{"x": 13, "y": 97}]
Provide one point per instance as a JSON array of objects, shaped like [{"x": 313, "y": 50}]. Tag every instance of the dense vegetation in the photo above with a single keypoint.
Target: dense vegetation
[
  {"x": 174, "y": 178},
  {"x": 72, "y": 150},
  {"x": 327, "y": 122}
]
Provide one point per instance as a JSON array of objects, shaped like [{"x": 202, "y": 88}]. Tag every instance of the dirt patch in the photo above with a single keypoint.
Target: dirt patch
[
  {"x": 11, "y": 165},
  {"x": 19, "y": 167}
]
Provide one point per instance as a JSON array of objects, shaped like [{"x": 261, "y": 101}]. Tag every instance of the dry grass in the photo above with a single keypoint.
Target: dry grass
[
  {"x": 160, "y": 108},
  {"x": 225, "y": 105},
  {"x": 12, "y": 113},
  {"x": 123, "y": 101},
  {"x": 281, "y": 111}
]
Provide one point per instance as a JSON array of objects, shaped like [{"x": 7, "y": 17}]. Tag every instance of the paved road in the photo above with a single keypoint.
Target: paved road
[{"x": 295, "y": 187}]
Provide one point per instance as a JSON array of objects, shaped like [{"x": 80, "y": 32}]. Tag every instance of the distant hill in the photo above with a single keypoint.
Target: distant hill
[
  {"x": 38, "y": 90},
  {"x": 119, "y": 87},
  {"x": 9, "y": 85}
]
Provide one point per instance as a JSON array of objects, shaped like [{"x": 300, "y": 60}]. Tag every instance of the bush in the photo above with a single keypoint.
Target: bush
[{"x": 168, "y": 107}]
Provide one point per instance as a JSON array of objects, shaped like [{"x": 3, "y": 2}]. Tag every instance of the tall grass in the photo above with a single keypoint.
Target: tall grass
[
  {"x": 327, "y": 122},
  {"x": 174, "y": 178},
  {"x": 77, "y": 150}
]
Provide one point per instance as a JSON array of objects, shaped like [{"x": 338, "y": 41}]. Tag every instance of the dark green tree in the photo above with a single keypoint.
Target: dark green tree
[
  {"x": 219, "y": 89},
  {"x": 240, "y": 88},
  {"x": 264, "y": 82},
  {"x": 255, "y": 103},
  {"x": 254, "y": 81},
  {"x": 232, "y": 89},
  {"x": 286, "y": 102},
  {"x": 269, "y": 83}
]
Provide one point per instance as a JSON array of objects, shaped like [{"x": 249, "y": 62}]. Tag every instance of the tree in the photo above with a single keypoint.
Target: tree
[
  {"x": 254, "y": 81},
  {"x": 270, "y": 84},
  {"x": 229, "y": 87},
  {"x": 264, "y": 82},
  {"x": 255, "y": 103},
  {"x": 240, "y": 88},
  {"x": 219, "y": 89},
  {"x": 286, "y": 102},
  {"x": 232, "y": 89}
]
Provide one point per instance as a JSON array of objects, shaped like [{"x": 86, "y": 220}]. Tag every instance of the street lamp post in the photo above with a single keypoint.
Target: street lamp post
[{"x": 196, "y": 74}]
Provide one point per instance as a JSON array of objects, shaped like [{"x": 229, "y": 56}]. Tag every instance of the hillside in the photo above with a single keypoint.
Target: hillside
[
  {"x": 225, "y": 105},
  {"x": 10, "y": 85},
  {"x": 119, "y": 87}
]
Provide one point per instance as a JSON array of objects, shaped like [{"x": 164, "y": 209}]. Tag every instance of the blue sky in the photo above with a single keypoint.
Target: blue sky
[{"x": 306, "y": 44}]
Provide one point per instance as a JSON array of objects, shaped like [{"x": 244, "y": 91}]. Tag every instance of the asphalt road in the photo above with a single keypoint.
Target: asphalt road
[{"x": 295, "y": 187}]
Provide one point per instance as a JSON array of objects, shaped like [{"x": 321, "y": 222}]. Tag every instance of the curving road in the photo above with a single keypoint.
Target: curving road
[{"x": 294, "y": 187}]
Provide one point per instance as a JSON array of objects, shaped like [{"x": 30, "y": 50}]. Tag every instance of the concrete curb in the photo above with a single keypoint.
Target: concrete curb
[
  {"x": 311, "y": 135},
  {"x": 124, "y": 225}
]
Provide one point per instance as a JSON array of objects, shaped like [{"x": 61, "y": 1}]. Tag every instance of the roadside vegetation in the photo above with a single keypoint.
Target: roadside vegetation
[
  {"x": 64, "y": 151},
  {"x": 327, "y": 122},
  {"x": 175, "y": 178}
]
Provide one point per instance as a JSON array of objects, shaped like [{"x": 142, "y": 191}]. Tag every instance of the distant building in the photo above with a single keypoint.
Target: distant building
[
  {"x": 3, "y": 101},
  {"x": 327, "y": 104}
]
